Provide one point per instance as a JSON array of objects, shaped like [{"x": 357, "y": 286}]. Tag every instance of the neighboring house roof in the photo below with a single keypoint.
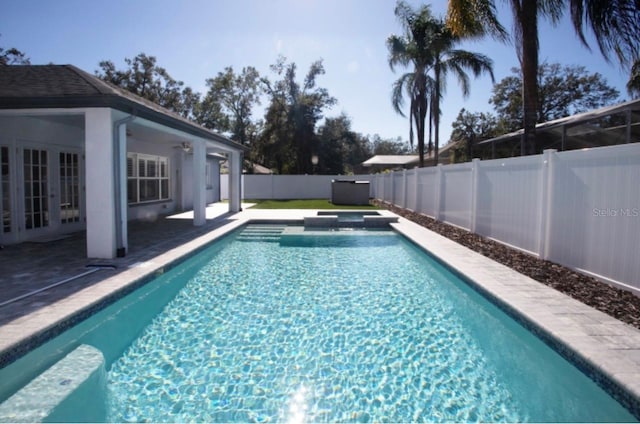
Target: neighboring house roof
[
  {"x": 66, "y": 86},
  {"x": 259, "y": 169},
  {"x": 249, "y": 167},
  {"x": 406, "y": 160},
  {"x": 391, "y": 160}
]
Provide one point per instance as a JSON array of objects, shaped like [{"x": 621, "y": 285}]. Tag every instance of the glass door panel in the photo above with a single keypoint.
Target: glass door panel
[
  {"x": 69, "y": 188},
  {"x": 5, "y": 191},
  {"x": 36, "y": 189}
]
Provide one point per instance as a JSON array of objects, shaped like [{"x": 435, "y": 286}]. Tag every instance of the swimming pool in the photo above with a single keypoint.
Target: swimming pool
[{"x": 277, "y": 324}]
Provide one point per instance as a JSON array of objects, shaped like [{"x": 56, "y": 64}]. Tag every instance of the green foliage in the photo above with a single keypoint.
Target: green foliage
[
  {"x": 562, "y": 91},
  {"x": 340, "y": 149},
  {"x": 380, "y": 146},
  {"x": 13, "y": 56},
  {"x": 430, "y": 49},
  {"x": 615, "y": 24},
  {"x": 145, "y": 78},
  {"x": 229, "y": 102},
  {"x": 470, "y": 128},
  {"x": 288, "y": 141}
]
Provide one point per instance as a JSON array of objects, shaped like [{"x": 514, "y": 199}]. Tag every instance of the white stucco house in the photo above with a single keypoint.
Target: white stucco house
[{"x": 78, "y": 153}]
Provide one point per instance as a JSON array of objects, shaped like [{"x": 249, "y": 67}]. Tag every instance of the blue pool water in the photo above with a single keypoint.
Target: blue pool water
[{"x": 323, "y": 327}]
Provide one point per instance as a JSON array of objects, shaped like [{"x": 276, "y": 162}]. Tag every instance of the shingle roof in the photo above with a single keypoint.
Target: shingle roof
[
  {"x": 66, "y": 86},
  {"x": 49, "y": 81}
]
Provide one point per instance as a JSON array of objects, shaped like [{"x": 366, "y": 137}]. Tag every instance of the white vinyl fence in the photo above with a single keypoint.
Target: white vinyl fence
[
  {"x": 288, "y": 186},
  {"x": 579, "y": 208}
]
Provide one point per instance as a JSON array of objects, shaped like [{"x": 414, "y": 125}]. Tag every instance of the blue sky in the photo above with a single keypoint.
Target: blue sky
[{"x": 195, "y": 39}]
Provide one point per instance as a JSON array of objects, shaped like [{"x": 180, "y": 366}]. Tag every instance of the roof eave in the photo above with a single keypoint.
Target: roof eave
[{"x": 119, "y": 103}]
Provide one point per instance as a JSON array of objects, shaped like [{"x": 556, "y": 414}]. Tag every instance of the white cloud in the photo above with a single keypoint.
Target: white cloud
[
  {"x": 353, "y": 67},
  {"x": 278, "y": 44}
]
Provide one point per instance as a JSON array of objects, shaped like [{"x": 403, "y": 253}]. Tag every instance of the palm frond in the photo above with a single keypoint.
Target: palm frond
[
  {"x": 462, "y": 77},
  {"x": 551, "y": 9},
  {"x": 404, "y": 83},
  {"x": 398, "y": 51},
  {"x": 474, "y": 19},
  {"x": 476, "y": 62},
  {"x": 615, "y": 24}
]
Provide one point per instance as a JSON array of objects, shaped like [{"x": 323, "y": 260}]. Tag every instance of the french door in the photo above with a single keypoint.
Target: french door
[
  {"x": 41, "y": 191},
  {"x": 70, "y": 190},
  {"x": 7, "y": 231},
  {"x": 37, "y": 214}
]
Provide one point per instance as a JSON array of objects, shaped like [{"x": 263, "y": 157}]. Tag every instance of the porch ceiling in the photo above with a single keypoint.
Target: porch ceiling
[
  {"x": 76, "y": 121},
  {"x": 142, "y": 129}
]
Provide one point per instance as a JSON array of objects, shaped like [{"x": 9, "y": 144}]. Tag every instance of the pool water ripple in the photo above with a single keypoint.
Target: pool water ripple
[{"x": 323, "y": 334}]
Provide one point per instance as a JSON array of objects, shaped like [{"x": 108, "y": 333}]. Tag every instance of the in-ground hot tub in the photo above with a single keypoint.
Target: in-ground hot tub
[{"x": 346, "y": 219}]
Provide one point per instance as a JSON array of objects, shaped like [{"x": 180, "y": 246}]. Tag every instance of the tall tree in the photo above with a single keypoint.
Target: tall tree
[
  {"x": 145, "y": 78},
  {"x": 340, "y": 149},
  {"x": 234, "y": 95},
  {"x": 388, "y": 146},
  {"x": 291, "y": 118},
  {"x": 411, "y": 49},
  {"x": 563, "y": 91},
  {"x": 13, "y": 56},
  {"x": 430, "y": 47},
  {"x": 615, "y": 25},
  {"x": 471, "y": 128}
]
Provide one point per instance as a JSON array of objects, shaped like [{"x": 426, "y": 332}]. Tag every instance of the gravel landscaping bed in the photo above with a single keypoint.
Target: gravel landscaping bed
[{"x": 618, "y": 303}]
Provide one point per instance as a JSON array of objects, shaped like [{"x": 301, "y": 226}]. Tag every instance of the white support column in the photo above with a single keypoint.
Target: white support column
[
  {"x": 124, "y": 204},
  {"x": 199, "y": 183},
  {"x": 235, "y": 181},
  {"x": 100, "y": 190}
]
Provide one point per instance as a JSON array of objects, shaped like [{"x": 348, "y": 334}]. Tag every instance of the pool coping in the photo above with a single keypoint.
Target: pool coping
[{"x": 604, "y": 348}]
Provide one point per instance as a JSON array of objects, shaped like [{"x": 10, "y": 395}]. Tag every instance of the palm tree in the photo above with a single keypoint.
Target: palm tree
[
  {"x": 615, "y": 24},
  {"x": 411, "y": 49},
  {"x": 450, "y": 60},
  {"x": 633, "y": 85},
  {"x": 429, "y": 47}
]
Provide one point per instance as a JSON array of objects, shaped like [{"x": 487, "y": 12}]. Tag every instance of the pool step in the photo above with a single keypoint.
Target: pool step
[
  {"x": 267, "y": 233},
  {"x": 54, "y": 396}
]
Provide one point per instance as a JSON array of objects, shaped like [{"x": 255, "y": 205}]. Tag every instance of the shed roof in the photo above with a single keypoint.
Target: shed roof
[
  {"x": 66, "y": 86},
  {"x": 391, "y": 160}
]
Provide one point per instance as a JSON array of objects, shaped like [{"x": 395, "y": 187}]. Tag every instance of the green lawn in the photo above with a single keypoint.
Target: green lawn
[{"x": 303, "y": 204}]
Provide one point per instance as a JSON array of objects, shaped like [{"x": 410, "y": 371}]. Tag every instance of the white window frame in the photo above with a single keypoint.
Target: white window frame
[{"x": 137, "y": 175}]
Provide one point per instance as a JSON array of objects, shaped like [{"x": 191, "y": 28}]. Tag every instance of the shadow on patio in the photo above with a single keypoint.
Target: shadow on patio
[{"x": 32, "y": 266}]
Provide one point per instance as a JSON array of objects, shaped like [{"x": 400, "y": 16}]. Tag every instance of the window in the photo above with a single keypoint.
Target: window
[
  {"x": 147, "y": 178},
  {"x": 5, "y": 191}
]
